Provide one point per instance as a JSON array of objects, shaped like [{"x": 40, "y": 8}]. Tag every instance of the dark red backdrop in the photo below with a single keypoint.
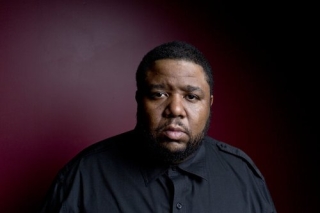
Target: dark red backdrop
[{"x": 67, "y": 80}]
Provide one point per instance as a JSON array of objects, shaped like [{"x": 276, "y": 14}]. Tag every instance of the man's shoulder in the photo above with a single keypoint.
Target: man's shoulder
[
  {"x": 108, "y": 143},
  {"x": 232, "y": 154},
  {"x": 107, "y": 148}
]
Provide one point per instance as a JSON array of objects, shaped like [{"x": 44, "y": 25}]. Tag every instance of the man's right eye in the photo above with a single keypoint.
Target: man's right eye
[{"x": 157, "y": 95}]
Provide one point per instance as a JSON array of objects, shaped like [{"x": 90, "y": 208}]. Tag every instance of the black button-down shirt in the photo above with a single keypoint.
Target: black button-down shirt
[{"x": 116, "y": 176}]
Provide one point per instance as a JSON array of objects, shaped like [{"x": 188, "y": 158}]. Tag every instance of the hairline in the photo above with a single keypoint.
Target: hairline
[
  {"x": 207, "y": 78},
  {"x": 175, "y": 50}
]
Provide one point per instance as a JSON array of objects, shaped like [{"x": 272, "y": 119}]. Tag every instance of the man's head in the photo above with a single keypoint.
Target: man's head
[
  {"x": 173, "y": 50},
  {"x": 174, "y": 96}
]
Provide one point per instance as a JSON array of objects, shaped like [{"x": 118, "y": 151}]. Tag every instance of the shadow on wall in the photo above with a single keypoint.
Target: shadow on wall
[{"x": 67, "y": 80}]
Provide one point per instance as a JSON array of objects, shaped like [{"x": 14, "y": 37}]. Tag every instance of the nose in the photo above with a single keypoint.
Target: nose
[{"x": 175, "y": 107}]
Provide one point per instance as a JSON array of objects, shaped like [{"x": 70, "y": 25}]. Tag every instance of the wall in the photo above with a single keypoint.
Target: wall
[{"x": 67, "y": 80}]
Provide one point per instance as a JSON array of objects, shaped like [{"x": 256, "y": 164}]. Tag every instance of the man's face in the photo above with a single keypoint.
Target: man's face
[{"x": 175, "y": 106}]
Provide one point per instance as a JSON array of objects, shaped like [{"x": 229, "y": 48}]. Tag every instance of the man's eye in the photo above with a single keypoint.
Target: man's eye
[
  {"x": 192, "y": 97},
  {"x": 157, "y": 95}
]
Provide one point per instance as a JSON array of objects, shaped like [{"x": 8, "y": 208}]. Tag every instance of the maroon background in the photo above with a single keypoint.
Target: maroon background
[{"x": 67, "y": 80}]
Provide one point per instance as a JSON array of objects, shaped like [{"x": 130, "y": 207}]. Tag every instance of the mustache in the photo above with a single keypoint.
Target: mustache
[{"x": 176, "y": 122}]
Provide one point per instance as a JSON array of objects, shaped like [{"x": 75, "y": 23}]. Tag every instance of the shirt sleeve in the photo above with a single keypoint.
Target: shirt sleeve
[
  {"x": 53, "y": 202},
  {"x": 64, "y": 193}
]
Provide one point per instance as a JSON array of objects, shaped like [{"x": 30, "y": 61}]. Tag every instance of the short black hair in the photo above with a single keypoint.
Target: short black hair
[{"x": 173, "y": 50}]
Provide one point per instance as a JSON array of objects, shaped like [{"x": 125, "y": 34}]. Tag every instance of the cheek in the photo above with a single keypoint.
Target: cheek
[
  {"x": 152, "y": 114},
  {"x": 199, "y": 117}
]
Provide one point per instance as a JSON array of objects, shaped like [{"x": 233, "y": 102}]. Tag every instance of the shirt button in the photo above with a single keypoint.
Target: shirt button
[{"x": 179, "y": 205}]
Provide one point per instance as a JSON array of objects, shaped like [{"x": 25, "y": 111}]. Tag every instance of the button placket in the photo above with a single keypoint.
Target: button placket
[
  {"x": 178, "y": 181},
  {"x": 179, "y": 206}
]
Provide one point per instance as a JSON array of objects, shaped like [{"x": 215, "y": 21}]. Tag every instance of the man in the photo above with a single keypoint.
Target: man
[{"x": 167, "y": 163}]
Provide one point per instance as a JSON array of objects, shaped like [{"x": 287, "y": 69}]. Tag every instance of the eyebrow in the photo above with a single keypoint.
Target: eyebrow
[
  {"x": 156, "y": 86},
  {"x": 188, "y": 88}
]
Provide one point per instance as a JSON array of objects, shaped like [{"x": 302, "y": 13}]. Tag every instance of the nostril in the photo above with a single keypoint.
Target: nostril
[{"x": 174, "y": 109}]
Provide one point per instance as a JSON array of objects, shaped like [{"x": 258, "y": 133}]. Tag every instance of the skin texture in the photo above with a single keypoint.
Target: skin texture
[{"x": 176, "y": 104}]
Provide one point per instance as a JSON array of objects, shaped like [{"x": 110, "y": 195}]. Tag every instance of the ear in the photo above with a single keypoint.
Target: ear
[
  {"x": 138, "y": 96},
  {"x": 211, "y": 100}
]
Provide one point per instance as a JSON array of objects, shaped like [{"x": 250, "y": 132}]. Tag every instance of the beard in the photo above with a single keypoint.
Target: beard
[{"x": 153, "y": 141}]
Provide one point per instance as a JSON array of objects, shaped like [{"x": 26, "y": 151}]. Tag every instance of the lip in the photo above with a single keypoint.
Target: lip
[{"x": 174, "y": 132}]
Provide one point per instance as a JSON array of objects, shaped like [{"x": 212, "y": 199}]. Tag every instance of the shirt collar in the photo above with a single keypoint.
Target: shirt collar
[{"x": 196, "y": 165}]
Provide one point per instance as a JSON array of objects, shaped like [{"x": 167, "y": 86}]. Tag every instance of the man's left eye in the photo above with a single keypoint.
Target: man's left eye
[{"x": 192, "y": 97}]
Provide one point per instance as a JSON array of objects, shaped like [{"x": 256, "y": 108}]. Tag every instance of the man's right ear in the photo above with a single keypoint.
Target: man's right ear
[{"x": 138, "y": 96}]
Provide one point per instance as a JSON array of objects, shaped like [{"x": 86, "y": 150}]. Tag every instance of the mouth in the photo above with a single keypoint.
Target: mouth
[{"x": 174, "y": 133}]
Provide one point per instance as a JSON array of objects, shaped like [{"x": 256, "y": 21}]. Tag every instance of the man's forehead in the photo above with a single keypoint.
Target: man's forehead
[
  {"x": 176, "y": 74},
  {"x": 175, "y": 69},
  {"x": 174, "y": 60}
]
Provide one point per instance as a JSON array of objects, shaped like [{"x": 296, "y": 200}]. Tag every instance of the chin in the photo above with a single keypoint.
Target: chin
[
  {"x": 174, "y": 147},
  {"x": 172, "y": 152},
  {"x": 165, "y": 150}
]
